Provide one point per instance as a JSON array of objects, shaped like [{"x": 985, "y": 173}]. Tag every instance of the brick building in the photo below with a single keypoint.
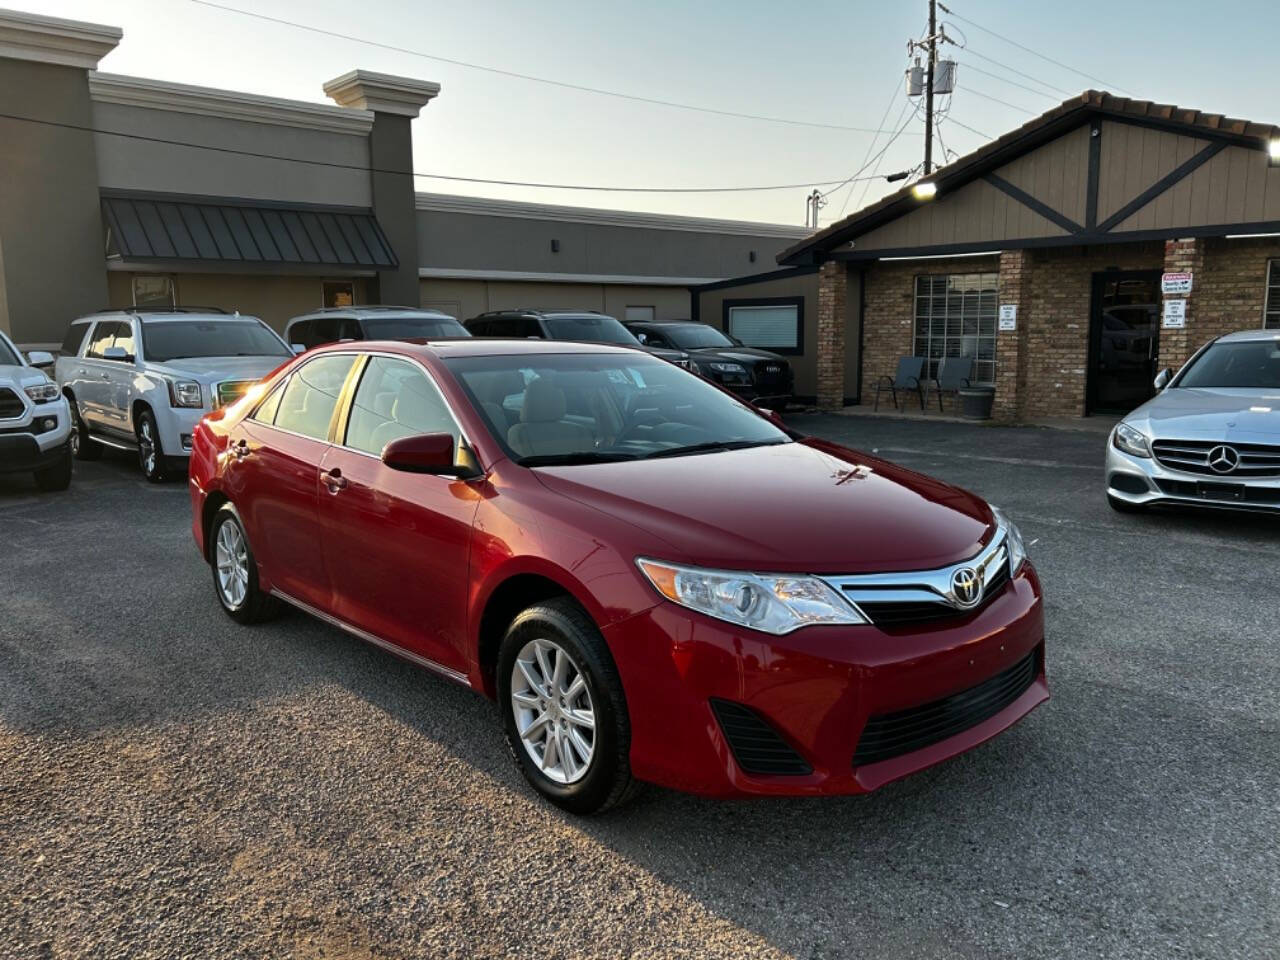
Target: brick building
[{"x": 1072, "y": 222}]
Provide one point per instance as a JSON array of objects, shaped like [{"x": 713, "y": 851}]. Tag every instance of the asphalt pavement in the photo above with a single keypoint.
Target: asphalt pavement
[{"x": 174, "y": 785}]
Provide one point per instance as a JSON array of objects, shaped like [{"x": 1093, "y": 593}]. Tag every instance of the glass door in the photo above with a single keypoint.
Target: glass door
[{"x": 1124, "y": 340}]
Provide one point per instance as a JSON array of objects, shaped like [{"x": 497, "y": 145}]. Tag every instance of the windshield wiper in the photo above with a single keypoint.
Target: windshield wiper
[
  {"x": 570, "y": 459},
  {"x": 713, "y": 445}
]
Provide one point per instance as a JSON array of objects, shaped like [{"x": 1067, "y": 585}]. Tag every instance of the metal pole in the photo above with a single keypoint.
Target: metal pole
[{"x": 928, "y": 88}]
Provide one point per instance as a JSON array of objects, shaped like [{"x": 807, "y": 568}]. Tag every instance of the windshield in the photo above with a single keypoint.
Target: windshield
[
  {"x": 695, "y": 336},
  {"x": 410, "y": 328},
  {"x": 8, "y": 356},
  {"x": 549, "y": 409},
  {"x": 1246, "y": 364},
  {"x": 164, "y": 340},
  {"x": 591, "y": 328}
]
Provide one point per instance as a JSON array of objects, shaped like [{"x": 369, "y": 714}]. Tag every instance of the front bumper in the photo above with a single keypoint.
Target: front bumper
[
  {"x": 23, "y": 449},
  {"x": 817, "y": 688},
  {"x": 1143, "y": 481},
  {"x": 176, "y": 426}
]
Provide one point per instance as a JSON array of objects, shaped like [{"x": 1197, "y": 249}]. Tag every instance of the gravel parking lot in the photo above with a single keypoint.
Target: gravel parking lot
[{"x": 174, "y": 785}]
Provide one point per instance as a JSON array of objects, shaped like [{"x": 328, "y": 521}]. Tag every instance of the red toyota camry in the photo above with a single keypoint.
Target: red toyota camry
[{"x": 655, "y": 581}]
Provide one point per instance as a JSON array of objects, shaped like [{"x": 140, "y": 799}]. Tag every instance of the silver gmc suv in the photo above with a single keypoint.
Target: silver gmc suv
[{"x": 141, "y": 378}]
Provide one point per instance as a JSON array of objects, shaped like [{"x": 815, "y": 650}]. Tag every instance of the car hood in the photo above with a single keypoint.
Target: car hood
[
  {"x": 1211, "y": 413},
  {"x": 746, "y": 355},
  {"x": 216, "y": 369},
  {"x": 807, "y": 506},
  {"x": 22, "y": 376}
]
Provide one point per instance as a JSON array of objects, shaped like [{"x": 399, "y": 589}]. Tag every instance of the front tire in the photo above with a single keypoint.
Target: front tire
[
  {"x": 235, "y": 571},
  {"x": 150, "y": 450},
  {"x": 56, "y": 477},
  {"x": 83, "y": 446},
  {"x": 563, "y": 709}
]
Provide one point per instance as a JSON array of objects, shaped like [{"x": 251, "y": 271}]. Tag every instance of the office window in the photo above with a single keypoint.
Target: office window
[
  {"x": 1271, "y": 312},
  {"x": 955, "y": 316},
  {"x": 773, "y": 324},
  {"x": 639, "y": 315},
  {"x": 153, "y": 291},
  {"x": 338, "y": 293}
]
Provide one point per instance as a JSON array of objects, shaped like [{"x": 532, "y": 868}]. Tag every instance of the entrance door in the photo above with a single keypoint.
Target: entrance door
[{"x": 1124, "y": 339}]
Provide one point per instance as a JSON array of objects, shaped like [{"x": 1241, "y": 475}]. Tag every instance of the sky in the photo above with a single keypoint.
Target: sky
[{"x": 822, "y": 62}]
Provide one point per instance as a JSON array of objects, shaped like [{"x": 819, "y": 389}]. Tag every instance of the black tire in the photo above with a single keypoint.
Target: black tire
[
  {"x": 256, "y": 605},
  {"x": 83, "y": 446},
  {"x": 1124, "y": 506},
  {"x": 608, "y": 781},
  {"x": 58, "y": 476},
  {"x": 150, "y": 450}
]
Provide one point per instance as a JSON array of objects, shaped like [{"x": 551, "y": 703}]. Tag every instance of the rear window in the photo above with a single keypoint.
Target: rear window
[
  {"x": 71, "y": 342},
  {"x": 166, "y": 340}
]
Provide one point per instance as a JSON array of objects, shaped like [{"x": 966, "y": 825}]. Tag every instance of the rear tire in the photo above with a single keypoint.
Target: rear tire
[
  {"x": 58, "y": 476},
  {"x": 235, "y": 571},
  {"x": 558, "y": 636},
  {"x": 83, "y": 446},
  {"x": 150, "y": 450},
  {"x": 1124, "y": 506}
]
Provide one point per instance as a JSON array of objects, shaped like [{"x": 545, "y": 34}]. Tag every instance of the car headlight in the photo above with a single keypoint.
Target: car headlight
[
  {"x": 1013, "y": 541},
  {"x": 772, "y": 603},
  {"x": 1131, "y": 441},
  {"x": 42, "y": 392},
  {"x": 185, "y": 393},
  {"x": 727, "y": 367}
]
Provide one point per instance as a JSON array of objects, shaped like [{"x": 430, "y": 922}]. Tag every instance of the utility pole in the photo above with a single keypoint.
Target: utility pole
[{"x": 928, "y": 87}]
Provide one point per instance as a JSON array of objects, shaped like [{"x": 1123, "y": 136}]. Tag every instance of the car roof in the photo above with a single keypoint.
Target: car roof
[
  {"x": 1250, "y": 336},
  {"x": 201, "y": 314},
  {"x": 376, "y": 310},
  {"x": 523, "y": 312},
  {"x": 479, "y": 347}
]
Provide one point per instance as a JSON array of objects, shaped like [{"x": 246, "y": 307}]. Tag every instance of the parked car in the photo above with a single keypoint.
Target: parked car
[
  {"x": 1210, "y": 437},
  {"x": 140, "y": 378},
  {"x": 370, "y": 323},
  {"x": 583, "y": 326},
  {"x": 654, "y": 580},
  {"x": 750, "y": 372},
  {"x": 35, "y": 421}
]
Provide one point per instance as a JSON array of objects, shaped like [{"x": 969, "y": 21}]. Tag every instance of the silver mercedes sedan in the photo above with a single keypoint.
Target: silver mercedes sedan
[{"x": 1210, "y": 437}]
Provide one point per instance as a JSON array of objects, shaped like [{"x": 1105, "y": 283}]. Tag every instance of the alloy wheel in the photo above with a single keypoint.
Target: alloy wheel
[
  {"x": 231, "y": 557},
  {"x": 147, "y": 446},
  {"x": 553, "y": 711}
]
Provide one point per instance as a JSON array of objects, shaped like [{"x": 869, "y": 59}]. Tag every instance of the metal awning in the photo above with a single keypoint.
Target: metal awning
[{"x": 173, "y": 227}]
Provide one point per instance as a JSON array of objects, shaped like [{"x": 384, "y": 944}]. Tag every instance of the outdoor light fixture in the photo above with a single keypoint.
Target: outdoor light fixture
[
  {"x": 924, "y": 190},
  {"x": 1275, "y": 153}
]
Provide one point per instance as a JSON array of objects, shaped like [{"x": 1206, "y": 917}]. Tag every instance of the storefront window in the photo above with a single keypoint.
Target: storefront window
[
  {"x": 1271, "y": 312},
  {"x": 956, "y": 317},
  {"x": 339, "y": 293},
  {"x": 153, "y": 291}
]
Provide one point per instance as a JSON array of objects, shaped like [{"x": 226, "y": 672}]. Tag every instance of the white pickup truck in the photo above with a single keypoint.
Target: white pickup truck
[
  {"x": 141, "y": 378},
  {"x": 34, "y": 419}
]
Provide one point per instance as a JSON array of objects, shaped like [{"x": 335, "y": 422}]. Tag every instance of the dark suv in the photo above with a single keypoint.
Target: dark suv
[
  {"x": 584, "y": 326},
  {"x": 370, "y": 323},
  {"x": 751, "y": 373}
]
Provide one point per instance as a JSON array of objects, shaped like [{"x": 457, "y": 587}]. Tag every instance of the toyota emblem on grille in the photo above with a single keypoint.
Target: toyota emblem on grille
[
  {"x": 966, "y": 586},
  {"x": 1223, "y": 459}
]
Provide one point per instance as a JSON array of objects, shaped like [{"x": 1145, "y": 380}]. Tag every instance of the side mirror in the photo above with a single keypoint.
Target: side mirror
[
  {"x": 40, "y": 358},
  {"x": 1163, "y": 378},
  {"x": 642, "y": 337},
  {"x": 297, "y": 348},
  {"x": 430, "y": 453},
  {"x": 117, "y": 353},
  {"x": 772, "y": 415}
]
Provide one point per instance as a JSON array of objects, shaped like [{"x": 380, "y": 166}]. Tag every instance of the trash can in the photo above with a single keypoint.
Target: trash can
[{"x": 975, "y": 402}]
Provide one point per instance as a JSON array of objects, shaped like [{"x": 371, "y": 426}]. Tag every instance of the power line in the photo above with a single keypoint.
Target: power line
[
  {"x": 882, "y": 152},
  {"x": 413, "y": 173},
  {"x": 1006, "y": 103},
  {"x": 1034, "y": 53},
  {"x": 1012, "y": 83},
  {"x": 534, "y": 79},
  {"x": 1026, "y": 76},
  {"x": 893, "y": 98}
]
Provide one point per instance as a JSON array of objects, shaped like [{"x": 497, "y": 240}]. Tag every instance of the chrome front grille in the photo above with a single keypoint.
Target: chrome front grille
[
  {"x": 229, "y": 391},
  {"x": 1244, "y": 460},
  {"x": 919, "y": 596}
]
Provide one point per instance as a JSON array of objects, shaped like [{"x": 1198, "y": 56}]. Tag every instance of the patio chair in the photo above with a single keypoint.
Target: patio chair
[
  {"x": 953, "y": 376},
  {"x": 908, "y": 378}
]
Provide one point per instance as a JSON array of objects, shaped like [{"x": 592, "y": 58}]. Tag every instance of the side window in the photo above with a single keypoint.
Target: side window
[
  {"x": 71, "y": 342},
  {"x": 309, "y": 398},
  {"x": 349, "y": 329},
  {"x": 528, "y": 327},
  {"x": 395, "y": 399},
  {"x": 266, "y": 412},
  {"x": 323, "y": 330},
  {"x": 124, "y": 339},
  {"x": 104, "y": 335},
  {"x": 300, "y": 333}
]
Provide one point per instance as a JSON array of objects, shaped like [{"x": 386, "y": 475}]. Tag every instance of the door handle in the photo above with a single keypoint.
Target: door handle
[{"x": 333, "y": 479}]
